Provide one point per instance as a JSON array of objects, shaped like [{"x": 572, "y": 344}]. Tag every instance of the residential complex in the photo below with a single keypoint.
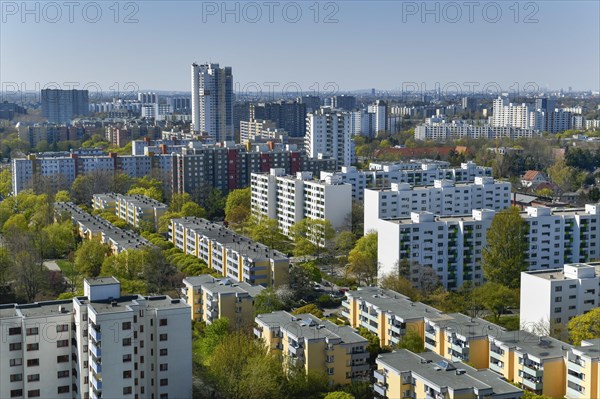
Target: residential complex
[
  {"x": 414, "y": 172},
  {"x": 442, "y": 131},
  {"x": 134, "y": 209},
  {"x": 315, "y": 345},
  {"x": 229, "y": 167},
  {"x": 98, "y": 345},
  {"x": 553, "y": 297},
  {"x": 289, "y": 199},
  {"x": 213, "y": 298},
  {"x": 445, "y": 197},
  {"x": 96, "y": 228},
  {"x": 328, "y": 135},
  {"x": 543, "y": 365},
  {"x": 212, "y": 101},
  {"x": 403, "y": 374},
  {"x": 453, "y": 245},
  {"x": 229, "y": 254}
]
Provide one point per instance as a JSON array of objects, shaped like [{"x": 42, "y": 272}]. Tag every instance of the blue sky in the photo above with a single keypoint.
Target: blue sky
[{"x": 348, "y": 45}]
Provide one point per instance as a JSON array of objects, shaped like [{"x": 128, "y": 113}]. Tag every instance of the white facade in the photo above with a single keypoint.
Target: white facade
[
  {"x": 553, "y": 297},
  {"x": 443, "y": 131},
  {"x": 212, "y": 101},
  {"x": 103, "y": 345},
  {"x": 555, "y": 237},
  {"x": 443, "y": 198},
  {"x": 511, "y": 115},
  {"x": 329, "y": 133},
  {"x": 289, "y": 199}
]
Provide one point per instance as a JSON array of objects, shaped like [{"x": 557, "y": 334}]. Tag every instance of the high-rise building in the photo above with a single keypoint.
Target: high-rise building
[
  {"x": 101, "y": 344},
  {"x": 343, "y": 102},
  {"x": 212, "y": 101},
  {"x": 288, "y": 115},
  {"x": 328, "y": 132},
  {"x": 312, "y": 102},
  {"x": 60, "y": 106},
  {"x": 379, "y": 110},
  {"x": 469, "y": 104},
  {"x": 148, "y": 98}
]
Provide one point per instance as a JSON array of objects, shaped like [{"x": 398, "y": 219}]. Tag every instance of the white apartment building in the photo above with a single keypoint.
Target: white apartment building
[
  {"x": 229, "y": 254},
  {"x": 445, "y": 197},
  {"x": 455, "y": 130},
  {"x": 452, "y": 245},
  {"x": 253, "y": 128},
  {"x": 98, "y": 345},
  {"x": 556, "y": 296},
  {"x": 380, "y": 112},
  {"x": 298, "y": 197},
  {"x": 417, "y": 173},
  {"x": 328, "y": 133}
]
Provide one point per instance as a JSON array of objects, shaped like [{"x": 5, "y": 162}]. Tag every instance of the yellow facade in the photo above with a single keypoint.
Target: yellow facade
[{"x": 479, "y": 353}]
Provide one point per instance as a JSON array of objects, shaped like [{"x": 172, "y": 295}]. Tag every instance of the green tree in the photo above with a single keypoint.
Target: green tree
[
  {"x": 190, "y": 208},
  {"x": 401, "y": 285},
  {"x": 563, "y": 176},
  {"x": 266, "y": 231},
  {"x": 310, "y": 308},
  {"x": 585, "y": 326},
  {"x": 5, "y": 182},
  {"x": 267, "y": 301},
  {"x": 212, "y": 335},
  {"x": 89, "y": 257},
  {"x": 363, "y": 259},
  {"x": 58, "y": 240},
  {"x": 62, "y": 196},
  {"x": 339, "y": 395},
  {"x": 240, "y": 368},
  {"x": 177, "y": 201},
  {"x": 312, "y": 237},
  {"x": 504, "y": 256},
  {"x": 496, "y": 298},
  {"x": 412, "y": 341},
  {"x": 237, "y": 206}
]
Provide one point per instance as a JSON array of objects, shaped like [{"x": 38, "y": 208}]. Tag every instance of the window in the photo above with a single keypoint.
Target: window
[
  {"x": 126, "y": 358},
  {"x": 62, "y": 359},
  {"x": 61, "y": 343},
  {"x": 16, "y": 393},
  {"x": 63, "y": 389},
  {"x": 62, "y": 328},
  {"x": 32, "y": 331},
  {"x": 162, "y": 322},
  {"x": 558, "y": 289},
  {"x": 330, "y": 370},
  {"x": 16, "y": 377},
  {"x": 127, "y": 325},
  {"x": 558, "y": 299},
  {"x": 162, "y": 337},
  {"x": 33, "y": 362},
  {"x": 62, "y": 374},
  {"x": 33, "y": 377},
  {"x": 164, "y": 367},
  {"x": 163, "y": 352},
  {"x": 127, "y": 391},
  {"x": 164, "y": 396},
  {"x": 126, "y": 341},
  {"x": 14, "y": 331},
  {"x": 127, "y": 374},
  {"x": 15, "y": 346},
  {"x": 33, "y": 347},
  {"x": 164, "y": 382}
]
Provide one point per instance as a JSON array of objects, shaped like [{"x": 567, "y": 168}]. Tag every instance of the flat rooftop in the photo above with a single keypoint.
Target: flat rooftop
[
  {"x": 306, "y": 326},
  {"x": 392, "y": 302},
  {"x": 223, "y": 285},
  {"x": 443, "y": 373},
  {"x": 94, "y": 281},
  {"x": 228, "y": 238}
]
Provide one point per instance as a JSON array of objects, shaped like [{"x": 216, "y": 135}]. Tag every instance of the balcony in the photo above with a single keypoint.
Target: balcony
[
  {"x": 95, "y": 383},
  {"x": 359, "y": 355},
  {"x": 360, "y": 367},
  {"x": 346, "y": 314},
  {"x": 95, "y": 334},
  {"x": 460, "y": 348},
  {"x": 346, "y": 304},
  {"x": 496, "y": 367},
  {"x": 575, "y": 365},
  {"x": 95, "y": 394},
  {"x": 380, "y": 377},
  {"x": 398, "y": 329},
  {"x": 258, "y": 332},
  {"x": 533, "y": 371},
  {"x": 96, "y": 366},
  {"x": 184, "y": 292},
  {"x": 96, "y": 350},
  {"x": 296, "y": 350},
  {"x": 430, "y": 333},
  {"x": 380, "y": 389},
  {"x": 533, "y": 385}
]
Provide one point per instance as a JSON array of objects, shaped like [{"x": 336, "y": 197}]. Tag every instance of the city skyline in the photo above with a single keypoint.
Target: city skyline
[{"x": 400, "y": 46}]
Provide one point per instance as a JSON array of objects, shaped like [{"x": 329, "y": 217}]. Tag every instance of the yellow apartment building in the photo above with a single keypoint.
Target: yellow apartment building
[
  {"x": 403, "y": 374},
  {"x": 583, "y": 371},
  {"x": 212, "y": 299},
  {"x": 316, "y": 345}
]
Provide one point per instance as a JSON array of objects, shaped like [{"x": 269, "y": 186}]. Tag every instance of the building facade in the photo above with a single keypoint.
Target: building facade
[
  {"x": 102, "y": 344},
  {"x": 212, "y": 101},
  {"x": 328, "y": 133},
  {"x": 61, "y": 106}
]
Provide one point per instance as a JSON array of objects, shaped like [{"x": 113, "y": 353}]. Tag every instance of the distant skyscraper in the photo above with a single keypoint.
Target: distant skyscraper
[
  {"x": 148, "y": 98},
  {"x": 312, "y": 102},
  {"x": 469, "y": 104},
  {"x": 212, "y": 101},
  {"x": 347, "y": 103},
  {"x": 60, "y": 106}
]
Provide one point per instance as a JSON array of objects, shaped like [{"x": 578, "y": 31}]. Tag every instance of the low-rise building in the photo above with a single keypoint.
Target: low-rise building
[
  {"x": 211, "y": 299},
  {"x": 553, "y": 297},
  {"x": 403, "y": 374},
  {"x": 583, "y": 370},
  {"x": 315, "y": 345},
  {"x": 228, "y": 253}
]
